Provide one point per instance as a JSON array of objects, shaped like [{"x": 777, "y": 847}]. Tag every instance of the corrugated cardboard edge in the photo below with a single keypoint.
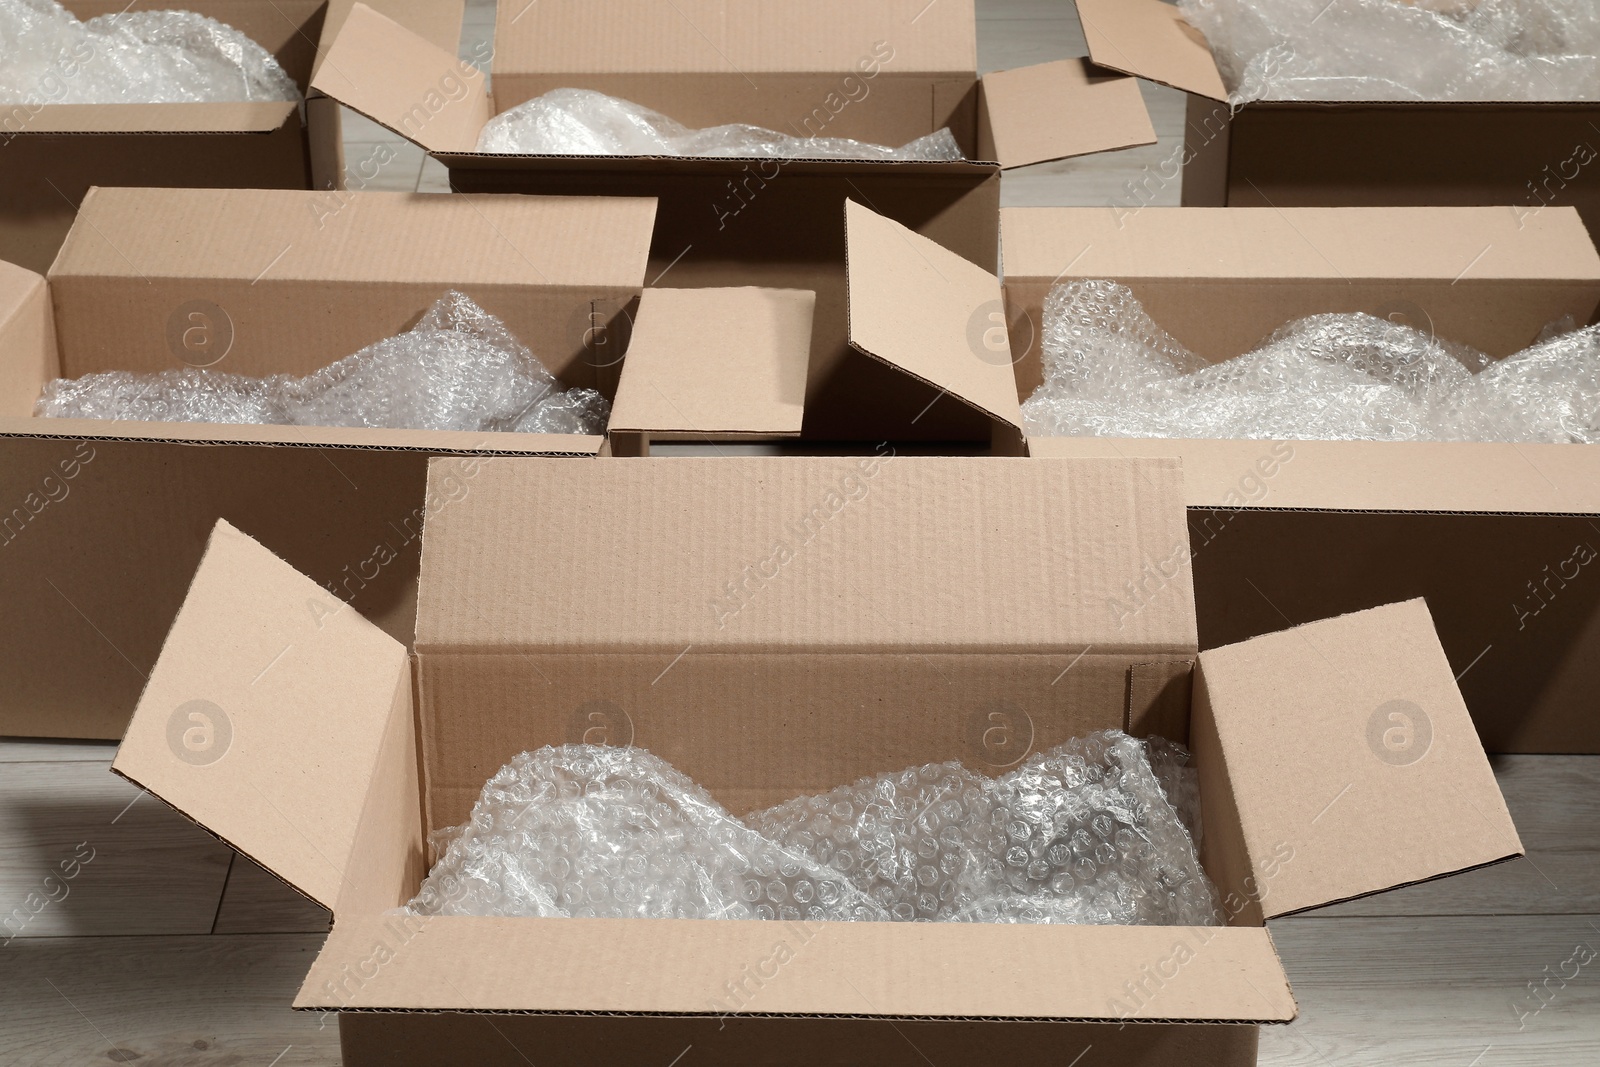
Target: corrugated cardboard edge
[
  {"x": 1150, "y": 39},
  {"x": 441, "y": 442},
  {"x": 1351, "y": 758},
  {"x": 716, "y": 363},
  {"x": 829, "y": 970},
  {"x": 405, "y": 83},
  {"x": 267, "y": 714},
  {"x": 259, "y": 116},
  {"x": 929, "y": 313},
  {"x": 1450, "y": 477},
  {"x": 1058, "y": 110}
]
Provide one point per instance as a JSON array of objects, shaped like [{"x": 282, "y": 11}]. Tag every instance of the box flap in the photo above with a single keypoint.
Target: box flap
[
  {"x": 855, "y": 553},
  {"x": 863, "y": 970},
  {"x": 242, "y": 116},
  {"x": 716, "y": 362},
  {"x": 438, "y": 21},
  {"x": 1349, "y": 750},
  {"x": 919, "y": 307},
  {"x": 405, "y": 83},
  {"x": 27, "y": 339},
  {"x": 751, "y": 39},
  {"x": 264, "y": 716},
  {"x": 1150, "y": 39},
  {"x": 1061, "y": 109}
]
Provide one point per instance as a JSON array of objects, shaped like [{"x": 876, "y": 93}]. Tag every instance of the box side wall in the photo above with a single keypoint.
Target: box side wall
[
  {"x": 1515, "y": 598},
  {"x": 298, "y": 326},
  {"x": 1304, "y": 156},
  {"x": 423, "y": 1040},
  {"x": 99, "y": 540},
  {"x": 758, "y": 729},
  {"x": 47, "y": 175},
  {"x": 766, "y": 227}
]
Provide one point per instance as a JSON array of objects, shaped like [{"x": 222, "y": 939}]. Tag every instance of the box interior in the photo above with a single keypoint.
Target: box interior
[{"x": 1220, "y": 280}]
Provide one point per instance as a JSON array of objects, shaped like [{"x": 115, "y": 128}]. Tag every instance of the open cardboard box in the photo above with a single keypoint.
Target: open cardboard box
[
  {"x": 1522, "y": 154},
  {"x": 55, "y": 152},
  {"x": 105, "y": 521},
  {"x": 1497, "y": 537},
  {"x": 780, "y": 626},
  {"x": 884, "y": 72}
]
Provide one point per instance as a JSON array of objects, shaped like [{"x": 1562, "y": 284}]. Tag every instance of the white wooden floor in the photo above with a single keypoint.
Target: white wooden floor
[{"x": 168, "y": 949}]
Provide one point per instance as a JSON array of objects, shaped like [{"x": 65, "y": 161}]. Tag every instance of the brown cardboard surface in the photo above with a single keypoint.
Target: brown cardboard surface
[
  {"x": 923, "y": 309},
  {"x": 436, "y": 442},
  {"x": 1149, "y": 39},
  {"x": 860, "y": 528},
  {"x": 717, "y": 363},
  {"x": 224, "y": 117},
  {"x": 409, "y": 1039},
  {"x": 1350, "y": 751},
  {"x": 1441, "y": 476},
  {"x": 266, "y": 713},
  {"x": 1061, "y": 109},
  {"x": 27, "y": 339},
  {"x": 294, "y": 280},
  {"x": 404, "y": 82},
  {"x": 883, "y": 970}
]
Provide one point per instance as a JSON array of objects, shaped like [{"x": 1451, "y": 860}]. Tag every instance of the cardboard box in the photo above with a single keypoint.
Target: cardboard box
[
  {"x": 54, "y": 153},
  {"x": 102, "y": 523},
  {"x": 884, "y": 72},
  {"x": 1497, "y": 537},
  {"x": 1526, "y": 156},
  {"x": 924, "y": 609}
]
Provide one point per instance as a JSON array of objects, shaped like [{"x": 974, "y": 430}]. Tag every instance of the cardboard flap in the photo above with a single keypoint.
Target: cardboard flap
[
  {"x": 1061, "y": 109},
  {"x": 919, "y": 307},
  {"x": 868, "y": 970},
  {"x": 265, "y": 714},
  {"x": 716, "y": 362},
  {"x": 405, "y": 83},
  {"x": 233, "y": 116},
  {"x": 1354, "y": 765},
  {"x": 27, "y": 340},
  {"x": 1150, "y": 39},
  {"x": 438, "y": 21}
]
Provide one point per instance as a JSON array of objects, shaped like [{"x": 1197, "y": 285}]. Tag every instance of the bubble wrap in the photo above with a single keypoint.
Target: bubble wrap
[
  {"x": 1084, "y": 833},
  {"x": 586, "y": 830},
  {"x": 582, "y": 122},
  {"x": 459, "y": 368},
  {"x": 1111, "y": 371},
  {"x": 136, "y": 57},
  {"x": 1402, "y": 49}
]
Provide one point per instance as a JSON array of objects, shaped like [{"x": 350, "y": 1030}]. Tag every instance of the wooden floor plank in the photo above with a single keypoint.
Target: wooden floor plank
[
  {"x": 255, "y": 902},
  {"x": 83, "y": 852},
  {"x": 1445, "y": 991},
  {"x": 207, "y": 1001}
]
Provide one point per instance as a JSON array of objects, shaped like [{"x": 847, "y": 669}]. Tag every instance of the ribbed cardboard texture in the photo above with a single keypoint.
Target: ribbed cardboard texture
[
  {"x": 56, "y": 152},
  {"x": 1043, "y": 542},
  {"x": 886, "y": 73},
  {"x": 1357, "y": 153},
  {"x": 1495, "y": 536},
  {"x": 104, "y": 522},
  {"x": 715, "y": 364}
]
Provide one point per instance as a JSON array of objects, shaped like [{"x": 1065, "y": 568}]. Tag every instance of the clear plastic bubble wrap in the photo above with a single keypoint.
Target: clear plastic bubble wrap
[
  {"x": 134, "y": 57},
  {"x": 1402, "y": 49},
  {"x": 459, "y": 368},
  {"x": 1084, "y": 833},
  {"x": 1110, "y": 371},
  {"x": 582, "y": 122}
]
